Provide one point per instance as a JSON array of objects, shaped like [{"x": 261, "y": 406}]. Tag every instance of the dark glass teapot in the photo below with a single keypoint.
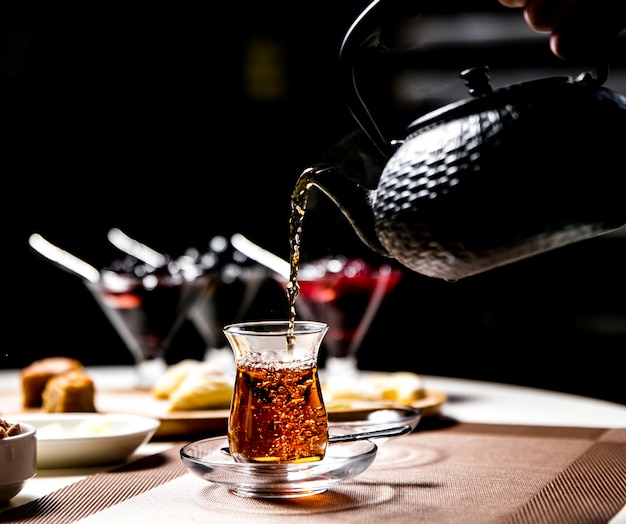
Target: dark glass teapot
[{"x": 500, "y": 176}]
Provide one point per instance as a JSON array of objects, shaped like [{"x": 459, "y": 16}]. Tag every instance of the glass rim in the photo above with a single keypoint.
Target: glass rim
[
  {"x": 275, "y": 327},
  {"x": 123, "y": 282}
]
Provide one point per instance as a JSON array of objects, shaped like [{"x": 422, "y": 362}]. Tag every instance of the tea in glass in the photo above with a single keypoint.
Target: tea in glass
[{"x": 277, "y": 414}]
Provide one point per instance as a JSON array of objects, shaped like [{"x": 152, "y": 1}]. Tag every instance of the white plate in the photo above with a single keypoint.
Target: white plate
[{"x": 74, "y": 440}]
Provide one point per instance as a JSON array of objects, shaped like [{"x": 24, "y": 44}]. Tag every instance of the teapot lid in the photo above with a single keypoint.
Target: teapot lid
[{"x": 484, "y": 97}]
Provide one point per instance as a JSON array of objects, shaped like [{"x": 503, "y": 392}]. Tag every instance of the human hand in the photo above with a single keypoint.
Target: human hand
[{"x": 579, "y": 29}]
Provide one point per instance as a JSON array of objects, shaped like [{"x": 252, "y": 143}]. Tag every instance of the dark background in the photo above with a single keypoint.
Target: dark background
[{"x": 176, "y": 123}]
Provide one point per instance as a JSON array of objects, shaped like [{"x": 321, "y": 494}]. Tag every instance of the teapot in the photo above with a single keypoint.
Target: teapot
[{"x": 502, "y": 175}]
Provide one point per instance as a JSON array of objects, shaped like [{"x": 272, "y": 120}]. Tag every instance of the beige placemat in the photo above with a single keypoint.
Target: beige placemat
[{"x": 479, "y": 473}]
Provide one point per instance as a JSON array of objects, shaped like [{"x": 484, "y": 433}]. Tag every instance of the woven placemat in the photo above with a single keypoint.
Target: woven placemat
[{"x": 483, "y": 473}]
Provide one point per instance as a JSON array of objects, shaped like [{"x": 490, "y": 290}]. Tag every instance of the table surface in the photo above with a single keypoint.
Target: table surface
[{"x": 468, "y": 401}]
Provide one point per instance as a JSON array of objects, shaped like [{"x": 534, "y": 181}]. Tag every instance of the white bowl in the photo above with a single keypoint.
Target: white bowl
[
  {"x": 18, "y": 460},
  {"x": 74, "y": 440}
]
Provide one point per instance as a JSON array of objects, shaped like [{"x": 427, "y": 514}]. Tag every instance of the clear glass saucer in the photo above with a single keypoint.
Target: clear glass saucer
[{"x": 343, "y": 461}]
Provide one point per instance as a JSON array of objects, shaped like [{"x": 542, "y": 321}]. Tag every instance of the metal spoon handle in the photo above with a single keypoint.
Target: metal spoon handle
[
  {"x": 261, "y": 255},
  {"x": 377, "y": 433},
  {"x": 63, "y": 258},
  {"x": 135, "y": 248}
]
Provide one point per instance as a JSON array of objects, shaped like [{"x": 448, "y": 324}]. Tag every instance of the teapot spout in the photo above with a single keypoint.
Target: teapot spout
[{"x": 355, "y": 201}]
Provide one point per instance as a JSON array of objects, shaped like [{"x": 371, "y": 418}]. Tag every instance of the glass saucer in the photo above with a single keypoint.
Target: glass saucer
[{"x": 343, "y": 461}]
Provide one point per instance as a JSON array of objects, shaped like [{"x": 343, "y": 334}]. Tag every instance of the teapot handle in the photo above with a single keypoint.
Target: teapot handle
[{"x": 365, "y": 33}]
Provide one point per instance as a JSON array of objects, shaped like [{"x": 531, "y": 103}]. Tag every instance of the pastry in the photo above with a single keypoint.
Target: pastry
[
  {"x": 204, "y": 387},
  {"x": 71, "y": 391},
  {"x": 173, "y": 377},
  {"x": 401, "y": 386},
  {"x": 35, "y": 377}
]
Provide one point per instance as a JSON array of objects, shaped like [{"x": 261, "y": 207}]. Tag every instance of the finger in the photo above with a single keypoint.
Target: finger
[
  {"x": 587, "y": 31},
  {"x": 513, "y": 3},
  {"x": 545, "y": 15},
  {"x": 585, "y": 45}
]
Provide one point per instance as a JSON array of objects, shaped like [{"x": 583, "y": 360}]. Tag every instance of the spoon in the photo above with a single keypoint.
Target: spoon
[
  {"x": 66, "y": 260},
  {"x": 261, "y": 255},
  {"x": 135, "y": 248},
  {"x": 269, "y": 260},
  {"x": 350, "y": 437}
]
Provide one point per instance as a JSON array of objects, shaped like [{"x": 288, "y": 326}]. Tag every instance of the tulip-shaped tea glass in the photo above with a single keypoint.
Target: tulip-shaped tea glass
[
  {"x": 148, "y": 309},
  {"x": 277, "y": 413}
]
